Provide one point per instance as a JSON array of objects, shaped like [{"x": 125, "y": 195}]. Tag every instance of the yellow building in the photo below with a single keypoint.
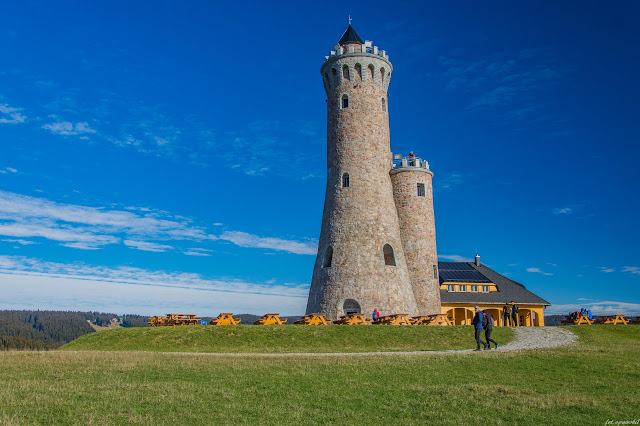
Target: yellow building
[{"x": 464, "y": 285}]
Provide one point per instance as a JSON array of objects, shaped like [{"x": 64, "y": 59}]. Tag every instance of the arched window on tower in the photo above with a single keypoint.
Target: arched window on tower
[
  {"x": 384, "y": 105},
  {"x": 328, "y": 257},
  {"x": 381, "y": 76},
  {"x": 389, "y": 258},
  {"x": 334, "y": 73},
  {"x": 358, "y": 72},
  {"x": 345, "y": 101},
  {"x": 345, "y": 73},
  {"x": 345, "y": 180},
  {"x": 370, "y": 73}
]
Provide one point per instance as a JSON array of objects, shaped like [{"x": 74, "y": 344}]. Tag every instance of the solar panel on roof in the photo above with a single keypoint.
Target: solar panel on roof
[
  {"x": 455, "y": 266},
  {"x": 472, "y": 276}
]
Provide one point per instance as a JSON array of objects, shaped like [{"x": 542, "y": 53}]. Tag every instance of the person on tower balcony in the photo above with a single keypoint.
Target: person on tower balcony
[
  {"x": 506, "y": 314},
  {"x": 477, "y": 326}
]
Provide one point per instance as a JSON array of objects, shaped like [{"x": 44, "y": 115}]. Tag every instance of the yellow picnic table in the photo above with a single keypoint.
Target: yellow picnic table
[
  {"x": 270, "y": 319},
  {"x": 433, "y": 319},
  {"x": 225, "y": 318},
  {"x": 313, "y": 319},
  {"x": 612, "y": 319},
  {"x": 157, "y": 321},
  {"x": 582, "y": 319},
  {"x": 352, "y": 319},
  {"x": 181, "y": 319},
  {"x": 394, "y": 319}
]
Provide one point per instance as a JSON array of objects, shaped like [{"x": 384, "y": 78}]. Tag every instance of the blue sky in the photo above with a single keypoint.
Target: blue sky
[{"x": 170, "y": 156}]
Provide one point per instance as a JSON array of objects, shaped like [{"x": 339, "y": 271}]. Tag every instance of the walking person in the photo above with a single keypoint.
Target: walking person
[
  {"x": 506, "y": 314},
  {"x": 514, "y": 313},
  {"x": 477, "y": 325},
  {"x": 487, "y": 322}
]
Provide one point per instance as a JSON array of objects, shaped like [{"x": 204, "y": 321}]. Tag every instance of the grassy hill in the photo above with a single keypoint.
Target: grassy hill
[
  {"x": 297, "y": 338},
  {"x": 590, "y": 382}
]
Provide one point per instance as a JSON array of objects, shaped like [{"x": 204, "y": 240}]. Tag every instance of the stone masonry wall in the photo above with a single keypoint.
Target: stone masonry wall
[
  {"x": 418, "y": 232},
  {"x": 359, "y": 220}
]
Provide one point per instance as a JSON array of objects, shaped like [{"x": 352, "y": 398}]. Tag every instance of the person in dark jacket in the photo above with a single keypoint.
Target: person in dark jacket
[
  {"x": 514, "y": 313},
  {"x": 507, "y": 315},
  {"x": 477, "y": 326},
  {"x": 487, "y": 323}
]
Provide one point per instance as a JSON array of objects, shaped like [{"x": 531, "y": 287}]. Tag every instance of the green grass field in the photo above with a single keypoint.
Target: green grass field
[
  {"x": 590, "y": 382},
  {"x": 297, "y": 338}
]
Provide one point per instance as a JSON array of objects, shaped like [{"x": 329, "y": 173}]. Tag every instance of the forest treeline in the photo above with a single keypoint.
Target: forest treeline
[{"x": 41, "y": 330}]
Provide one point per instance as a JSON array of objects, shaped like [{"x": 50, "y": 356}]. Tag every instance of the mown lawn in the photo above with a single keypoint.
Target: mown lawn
[
  {"x": 590, "y": 382},
  {"x": 296, "y": 338}
]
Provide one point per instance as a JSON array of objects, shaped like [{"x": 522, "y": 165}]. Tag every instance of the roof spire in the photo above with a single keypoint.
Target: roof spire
[{"x": 349, "y": 19}]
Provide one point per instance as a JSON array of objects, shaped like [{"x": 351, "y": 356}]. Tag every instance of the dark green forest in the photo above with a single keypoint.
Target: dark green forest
[{"x": 43, "y": 330}]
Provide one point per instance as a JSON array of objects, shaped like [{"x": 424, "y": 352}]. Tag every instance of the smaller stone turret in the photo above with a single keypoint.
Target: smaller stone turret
[{"x": 413, "y": 196}]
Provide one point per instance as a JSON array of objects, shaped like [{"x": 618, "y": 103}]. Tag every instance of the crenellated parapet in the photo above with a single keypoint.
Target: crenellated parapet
[{"x": 409, "y": 163}]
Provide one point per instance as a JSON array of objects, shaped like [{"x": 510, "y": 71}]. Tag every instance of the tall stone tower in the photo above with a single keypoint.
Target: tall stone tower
[{"x": 361, "y": 262}]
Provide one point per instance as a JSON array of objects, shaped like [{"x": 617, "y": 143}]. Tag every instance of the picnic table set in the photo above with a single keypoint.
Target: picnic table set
[
  {"x": 601, "y": 319},
  {"x": 226, "y": 318}
]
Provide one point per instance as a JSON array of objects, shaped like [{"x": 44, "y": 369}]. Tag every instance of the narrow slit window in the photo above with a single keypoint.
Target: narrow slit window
[
  {"x": 345, "y": 73},
  {"x": 421, "y": 192},
  {"x": 435, "y": 272},
  {"x": 384, "y": 105},
  {"x": 389, "y": 258},
  {"x": 345, "y": 180},
  {"x": 328, "y": 257},
  {"x": 345, "y": 101}
]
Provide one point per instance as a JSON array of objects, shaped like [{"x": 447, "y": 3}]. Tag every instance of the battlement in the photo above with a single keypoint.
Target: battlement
[
  {"x": 410, "y": 161},
  {"x": 367, "y": 48}
]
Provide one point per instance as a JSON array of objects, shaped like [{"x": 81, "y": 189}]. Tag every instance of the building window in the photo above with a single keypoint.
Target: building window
[
  {"x": 381, "y": 76},
  {"x": 345, "y": 180},
  {"x": 328, "y": 80},
  {"x": 389, "y": 258},
  {"x": 328, "y": 257},
  {"x": 421, "y": 192},
  {"x": 370, "y": 73},
  {"x": 384, "y": 105},
  {"x": 345, "y": 101},
  {"x": 345, "y": 73},
  {"x": 451, "y": 288},
  {"x": 474, "y": 288},
  {"x": 485, "y": 289},
  {"x": 435, "y": 272},
  {"x": 358, "y": 72},
  {"x": 463, "y": 288}
]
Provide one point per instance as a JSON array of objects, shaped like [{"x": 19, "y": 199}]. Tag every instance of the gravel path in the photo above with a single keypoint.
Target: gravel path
[{"x": 524, "y": 338}]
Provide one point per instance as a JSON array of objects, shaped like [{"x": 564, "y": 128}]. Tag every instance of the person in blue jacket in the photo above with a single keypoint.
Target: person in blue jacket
[{"x": 477, "y": 326}]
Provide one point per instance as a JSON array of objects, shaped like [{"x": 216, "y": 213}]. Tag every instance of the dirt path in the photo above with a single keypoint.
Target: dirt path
[{"x": 524, "y": 338}]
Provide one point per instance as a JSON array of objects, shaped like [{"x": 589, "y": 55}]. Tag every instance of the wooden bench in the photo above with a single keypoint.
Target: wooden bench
[
  {"x": 582, "y": 319},
  {"x": 634, "y": 320},
  {"x": 395, "y": 319},
  {"x": 225, "y": 319},
  {"x": 157, "y": 321},
  {"x": 353, "y": 319},
  {"x": 313, "y": 319},
  {"x": 612, "y": 319},
  {"x": 270, "y": 319}
]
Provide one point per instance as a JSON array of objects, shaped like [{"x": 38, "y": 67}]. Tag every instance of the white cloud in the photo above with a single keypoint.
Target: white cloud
[
  {"x": 22, "y": 242},
  {"x": 606, "y": 270},
  {"x": 147, "y": 246},
  {"x": 538, "y": 271},
  {"x": 597, "y": 308},
  {"x": 244, "y": 239},
  {"x": 9, "y": 115},
  {"x": 195, "y": 253},
  {"x": 33, "y": 283},
  {"x": 564, "y": 210},
  {"x": 634, "y": 270},
  {"x": 455, "y": 258},
  {"x": 69, "y": 128},
  {"x": 11, "y": 170}
]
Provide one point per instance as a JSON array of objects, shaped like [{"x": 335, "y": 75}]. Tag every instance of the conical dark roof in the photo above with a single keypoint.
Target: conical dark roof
[{"x": 350, "y": 36}]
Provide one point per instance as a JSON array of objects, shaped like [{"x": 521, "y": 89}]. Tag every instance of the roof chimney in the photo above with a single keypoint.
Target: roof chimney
[{"x": 477, "y": 259}]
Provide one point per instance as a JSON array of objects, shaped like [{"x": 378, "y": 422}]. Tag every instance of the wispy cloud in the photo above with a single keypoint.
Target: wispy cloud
[
  {"x": 8, "y": 170},
  {"x": 21, "y": 242},
  {"x": 244, "y": 239},
  {"x": 455, "y": 258},
  {"x": 450, "y": 181},
  {"x": 634, "y": 270},
  {"x": 90, "y": 228},
  {"x": 69, "y": 128},
  {"x": 538, "y": 271},
  {"x": 606, "y": 270},
  {"x": 147, "y": 246},
  {"x": 10, "y": 115},
  {"x": 563, "y": 210}
]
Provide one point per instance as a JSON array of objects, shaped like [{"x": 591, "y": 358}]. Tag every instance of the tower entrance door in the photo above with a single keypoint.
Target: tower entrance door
[{"x": 350, "y": 306}]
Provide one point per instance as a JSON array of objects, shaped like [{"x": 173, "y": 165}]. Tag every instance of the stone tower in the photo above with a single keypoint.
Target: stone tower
[
  {"x": 361, "y": 262},
  {"x": 413, "y": 195}
]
